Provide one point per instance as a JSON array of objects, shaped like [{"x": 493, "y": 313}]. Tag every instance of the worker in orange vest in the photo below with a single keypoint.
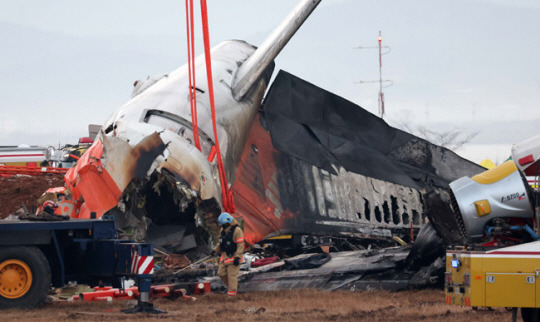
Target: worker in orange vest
[{"x": 231, "y": 248}]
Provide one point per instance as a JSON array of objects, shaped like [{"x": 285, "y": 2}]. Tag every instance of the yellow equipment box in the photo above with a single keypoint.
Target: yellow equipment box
[{"x": 504, "y": 277}]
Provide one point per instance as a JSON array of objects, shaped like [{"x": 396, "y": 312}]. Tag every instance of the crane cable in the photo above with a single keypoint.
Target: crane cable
[
  {"x": 226, "y": 193},
  {"x": 191, "y": 71}
]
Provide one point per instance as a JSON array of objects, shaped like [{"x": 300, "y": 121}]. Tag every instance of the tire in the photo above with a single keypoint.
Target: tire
[
  {"x": 530, "y": 314},
  {"x": 25, "y": 277}
]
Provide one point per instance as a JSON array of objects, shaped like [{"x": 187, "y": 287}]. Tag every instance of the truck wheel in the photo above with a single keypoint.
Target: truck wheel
[
  {"x": 530, "y": 314},
  {"x": 25, "y": 277}
]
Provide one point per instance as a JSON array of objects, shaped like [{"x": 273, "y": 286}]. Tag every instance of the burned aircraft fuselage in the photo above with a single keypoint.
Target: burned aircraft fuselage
[
  {"x": 317, "y": 164},
  {"x": 305, "y": 164}
]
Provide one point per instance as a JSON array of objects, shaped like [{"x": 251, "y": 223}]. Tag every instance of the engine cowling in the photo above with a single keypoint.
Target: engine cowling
[{"x": 500, "y": 193}]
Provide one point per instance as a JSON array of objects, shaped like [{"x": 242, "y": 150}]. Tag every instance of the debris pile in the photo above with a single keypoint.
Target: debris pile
[{"x": 393, "y": 268}]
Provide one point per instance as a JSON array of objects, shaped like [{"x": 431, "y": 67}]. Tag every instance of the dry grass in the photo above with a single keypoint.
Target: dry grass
[{"x": 297, "y": 305}]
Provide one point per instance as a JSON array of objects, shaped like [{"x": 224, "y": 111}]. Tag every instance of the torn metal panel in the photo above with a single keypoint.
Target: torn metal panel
[
  {"x": 154, "y": 203},
  {"x": 187, "y": 243},
  {"x": 166, "y": 236},
  {"x": 429, "y": 275},
  {"x": 427, "y": 248},
  {"x": 88, "y": 182},
  {"x": 125, "y": 162},
  {"x": 328, "y": 131},
  {"x": 343, "y": 267},
  {"x": 441, "y": 209},
  {"x": 104, "y": 171},
  {"x": 288, "y": 280}
]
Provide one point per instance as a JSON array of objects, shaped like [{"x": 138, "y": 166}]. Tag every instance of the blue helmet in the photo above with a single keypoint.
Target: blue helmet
[{"x": 225, "y": 218}]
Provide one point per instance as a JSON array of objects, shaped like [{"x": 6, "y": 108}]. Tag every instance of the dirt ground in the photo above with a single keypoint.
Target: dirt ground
[
  {"x": 17, "y": 190},
  {"x": 297, "y": 305}
]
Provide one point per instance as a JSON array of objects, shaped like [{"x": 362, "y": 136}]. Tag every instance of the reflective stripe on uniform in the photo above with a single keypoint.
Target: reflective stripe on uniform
[
  {"x": 230, "y": 260},
  {"x": 232, "y": 293},
  {"x": 239, "y": 240}
]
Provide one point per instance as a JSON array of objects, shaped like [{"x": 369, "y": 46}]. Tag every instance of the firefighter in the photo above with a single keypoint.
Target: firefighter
[{"x": 231, "y": 248}]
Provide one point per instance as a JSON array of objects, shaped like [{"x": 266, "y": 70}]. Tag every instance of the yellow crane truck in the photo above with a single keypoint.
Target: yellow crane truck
[{"x": 497, "y": 215}]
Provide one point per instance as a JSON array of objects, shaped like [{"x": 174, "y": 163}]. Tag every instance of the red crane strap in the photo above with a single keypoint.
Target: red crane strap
[
  {"x": 191, "y": 71},
  {"x": 228, "y": 202}
]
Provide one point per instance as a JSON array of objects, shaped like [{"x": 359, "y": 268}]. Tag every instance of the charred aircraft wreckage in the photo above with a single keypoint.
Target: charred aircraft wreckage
[{"x": 302, "y": 162}]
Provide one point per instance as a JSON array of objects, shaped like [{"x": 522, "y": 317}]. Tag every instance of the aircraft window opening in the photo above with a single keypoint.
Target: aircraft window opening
[
  {"x": 164, "y": 122},
  {"x": 406, "y": 220},
  {"x": 367, "y": 211},
  {"x": 109, "y": 129},
  {"x": 395, "y": 210},
  {"x": 378, "y": 217},
  {"x": 179, "y": 126},
  {"x": 386, "y": 211}
]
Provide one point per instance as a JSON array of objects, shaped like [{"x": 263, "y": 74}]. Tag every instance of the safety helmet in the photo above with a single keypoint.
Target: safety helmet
[
  {"x": 50, "y": 203},
  {"x": 225, "y": 218}
]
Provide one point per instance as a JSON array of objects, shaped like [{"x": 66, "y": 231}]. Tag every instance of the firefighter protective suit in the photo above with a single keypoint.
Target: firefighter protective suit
[{"x": 231, "y": 248}]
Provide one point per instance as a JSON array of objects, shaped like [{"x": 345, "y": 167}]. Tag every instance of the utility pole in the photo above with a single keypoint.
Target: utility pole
[{"x": 380, "y": 96}]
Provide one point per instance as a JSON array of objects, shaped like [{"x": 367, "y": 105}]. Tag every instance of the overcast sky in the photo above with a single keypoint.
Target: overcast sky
[{"x": 464, "y": 64}]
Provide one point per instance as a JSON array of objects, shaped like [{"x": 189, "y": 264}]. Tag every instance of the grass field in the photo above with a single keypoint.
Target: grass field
[{"x": 295, "y": 305}]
